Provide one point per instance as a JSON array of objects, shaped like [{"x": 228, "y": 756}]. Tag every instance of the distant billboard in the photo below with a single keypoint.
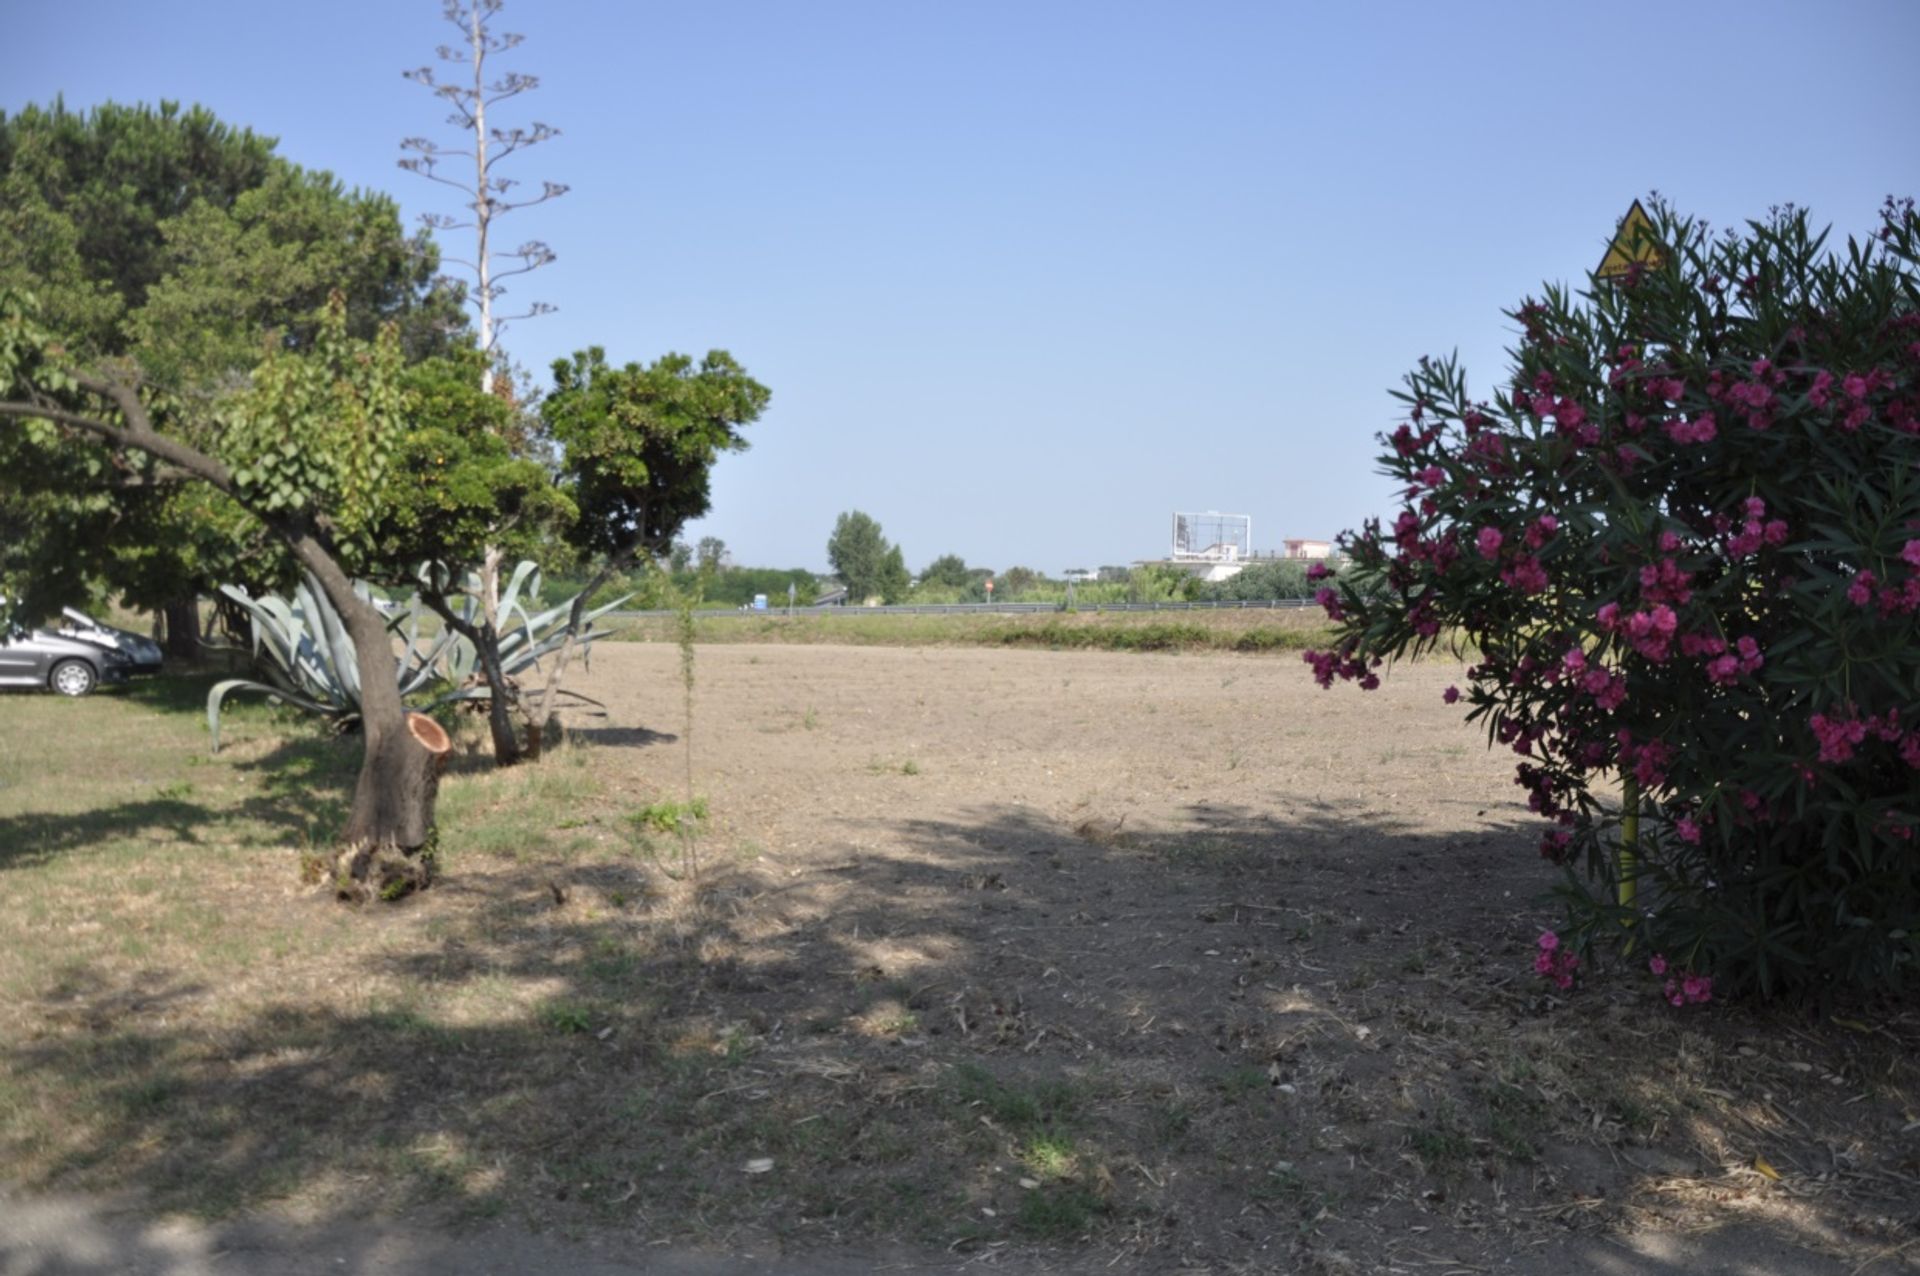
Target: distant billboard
[{"x": 1212, "y": 537}]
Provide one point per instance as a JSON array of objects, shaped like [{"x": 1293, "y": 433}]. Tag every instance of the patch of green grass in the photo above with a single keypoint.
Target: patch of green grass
[
  {"x": 1059, "y": 1211},
  {"x": 1515, "y": 1120},
  {"x": 1239, "y": 1083},
  {"x": 1442, "y": 1146},
  {"x": 567, "y": 1018},
  {"x": 671, "y": 817},
  {"x": 1036, "y": 1106},
  {"x": 1049, "y": 1156}
]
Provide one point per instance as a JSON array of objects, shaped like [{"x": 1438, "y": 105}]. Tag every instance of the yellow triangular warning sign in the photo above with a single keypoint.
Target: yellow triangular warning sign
[{"x": 1633, "y": 245}]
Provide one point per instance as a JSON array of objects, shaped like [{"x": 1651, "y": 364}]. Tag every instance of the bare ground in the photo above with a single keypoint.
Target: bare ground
[{"x": 1030, "y": 959}]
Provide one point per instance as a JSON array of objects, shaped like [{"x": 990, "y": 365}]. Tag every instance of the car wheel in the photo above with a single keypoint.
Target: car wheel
[{"x": 71, "y": 678}]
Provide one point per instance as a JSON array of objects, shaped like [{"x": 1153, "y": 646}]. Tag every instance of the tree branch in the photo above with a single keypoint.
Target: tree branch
[{"x": 136, "y": 432}]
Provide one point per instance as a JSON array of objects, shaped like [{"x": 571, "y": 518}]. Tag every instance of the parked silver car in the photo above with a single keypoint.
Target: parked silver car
[
  {"x": 142, "y": 651},
  {"x": 37, "y": 658}
]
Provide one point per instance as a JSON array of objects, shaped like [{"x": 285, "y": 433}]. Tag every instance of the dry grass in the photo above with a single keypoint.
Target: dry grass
[{"x": 1198, "y": 1039}]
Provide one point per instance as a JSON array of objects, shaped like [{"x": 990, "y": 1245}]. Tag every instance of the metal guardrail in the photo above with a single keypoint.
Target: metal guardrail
[{"x": 966, "y": 609}]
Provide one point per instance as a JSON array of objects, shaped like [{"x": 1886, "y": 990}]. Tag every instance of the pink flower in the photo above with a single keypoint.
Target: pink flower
[
  {"x": 1688, "y": 830},
  {"x": 1319, "y": 571},
  {"x": 1526, "y": 575},
  {"x": 1821, "y": 390},
  {"x": 1651, "y": 632},
  {"x": 1698, "y": 988},
  {"x": 1910, "y": 553},
  {"x": 1488, "y": 541},
  {"x": 1657, "y": 964},
  {"x": 1860, "y": 591},
  {"x": 1548, "y": 941},
  {"x": 1450, "y": 695},
  {"x": 1838, "y": 736},
  {"x": 1701, "y": 429}
]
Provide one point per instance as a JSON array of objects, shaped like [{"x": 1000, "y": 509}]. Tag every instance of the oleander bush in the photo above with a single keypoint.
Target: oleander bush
[{"x": 1683, "y": 541}]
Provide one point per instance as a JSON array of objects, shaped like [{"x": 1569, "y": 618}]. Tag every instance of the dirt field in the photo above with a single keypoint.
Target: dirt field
[{"x": 1166, "y": 962}]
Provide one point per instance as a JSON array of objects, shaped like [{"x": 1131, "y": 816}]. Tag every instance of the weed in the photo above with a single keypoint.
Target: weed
[
  {"x": 1241, "y": 1082},
  {"x": 1059, "y": 1211},
  {"x": 900, "y": 1024},
  {"x": 1044, "y": 1105},
  {"x": 810, "y": 719},
  {"x": 1441, "y": 1145},
  {"x": 673, "y": 818},
  {"x": 1050, "y": 1156},
  {"x": 1172, "y": 1121},
  {"x": 567, "y": 1018}
]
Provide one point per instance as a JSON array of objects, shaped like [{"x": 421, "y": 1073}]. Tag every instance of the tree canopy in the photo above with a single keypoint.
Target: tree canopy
[
  {"x": 865, "y": 561},
  {"x": 637, "y": 443},
  {"x": 188, "y": 249}
]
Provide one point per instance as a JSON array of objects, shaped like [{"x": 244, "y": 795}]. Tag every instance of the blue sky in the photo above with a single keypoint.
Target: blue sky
[{"x": 1026, "y": 278}]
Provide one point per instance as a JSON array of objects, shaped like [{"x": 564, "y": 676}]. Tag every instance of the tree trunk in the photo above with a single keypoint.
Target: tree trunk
[
  {"x": 486, "y": 646},
  {"x": 391, "y": 839},
  {"x": 390, "y": 829},
  {"x": 183, "y": 628},
  {"x": 506, "y": 749}
]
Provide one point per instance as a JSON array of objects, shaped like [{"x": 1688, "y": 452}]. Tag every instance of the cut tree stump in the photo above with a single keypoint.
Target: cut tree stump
[{"x": 391, "y": 840}]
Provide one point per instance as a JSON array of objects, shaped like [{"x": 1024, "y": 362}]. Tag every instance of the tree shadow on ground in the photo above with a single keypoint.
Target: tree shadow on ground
[
  {"x": 302, "y": 798},
  {"x": 1239, "y": 1042},
  {"x": 620, "y": 737}
]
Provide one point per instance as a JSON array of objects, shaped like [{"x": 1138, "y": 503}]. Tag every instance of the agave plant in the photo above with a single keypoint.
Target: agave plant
[
  {"x": 302, "y": 649},
  {"x": 525, "y": 635}
]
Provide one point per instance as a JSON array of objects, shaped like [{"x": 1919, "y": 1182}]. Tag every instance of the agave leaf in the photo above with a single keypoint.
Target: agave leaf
[
  {"x": 523, "y": 570},
  {"x": 263, "y": 632},
  {"x": 218, "y": 695},
  {"x": 337, "y": 643},
  {"x": 570, "y": 693},
  {"x": 532, "y": 655}
]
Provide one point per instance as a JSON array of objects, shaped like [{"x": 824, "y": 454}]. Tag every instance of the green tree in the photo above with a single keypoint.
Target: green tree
[
  {"x": 1261, "y": 582},
  {"x": 949, "y": 571},
  {"x": 1162, "y": 583},
  {"x": 1016, "y": 581},
  {"x": 465, "y": 490},
  {"x": 321, "y": 503},
  {"x": 866, "y": 563},
  {"x": 895, "y": 580},
  {"x": 171, "y": 240},
  {"x": 637, "y": 448}
]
